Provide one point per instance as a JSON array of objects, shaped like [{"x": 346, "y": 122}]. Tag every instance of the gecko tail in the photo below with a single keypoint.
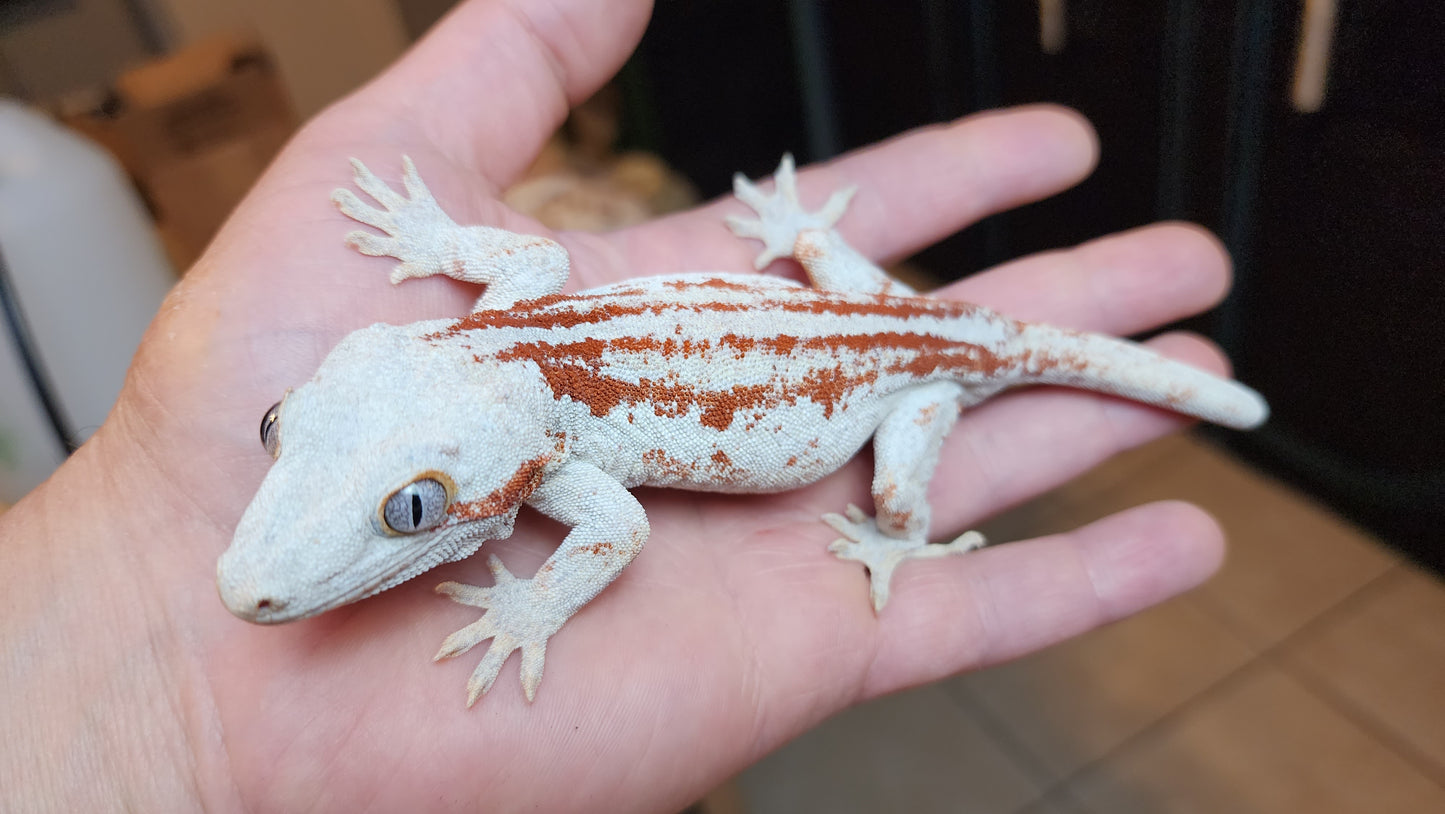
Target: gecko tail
[{"x": 1107, "y": 365}]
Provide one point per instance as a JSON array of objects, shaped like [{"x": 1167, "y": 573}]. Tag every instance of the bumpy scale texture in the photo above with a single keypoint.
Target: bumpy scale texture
[{"x": 718, "y": 382}]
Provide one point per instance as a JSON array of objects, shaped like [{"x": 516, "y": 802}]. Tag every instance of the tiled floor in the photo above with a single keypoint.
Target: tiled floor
[{"x": 1308, "y": 676}]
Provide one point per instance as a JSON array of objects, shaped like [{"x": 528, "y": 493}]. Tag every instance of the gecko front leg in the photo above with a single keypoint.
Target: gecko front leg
[
  {"x": 609, "y": 528},
  {"x": 426, "y": 241}
]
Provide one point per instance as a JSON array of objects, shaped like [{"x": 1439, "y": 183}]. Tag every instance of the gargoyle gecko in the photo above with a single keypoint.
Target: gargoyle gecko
[{"x": 415, "y": 444}]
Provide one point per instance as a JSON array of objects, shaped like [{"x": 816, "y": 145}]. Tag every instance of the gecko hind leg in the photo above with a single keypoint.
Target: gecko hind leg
[
  {"x": 906, "y": 446},
  {"x": 880, "y": 552},
  {"x": 781, "y": 217},
  {"x": 786, "y": 229}
]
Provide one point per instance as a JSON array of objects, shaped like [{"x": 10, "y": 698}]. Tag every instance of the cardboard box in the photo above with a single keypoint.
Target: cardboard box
[{"x": 194, "y": 130}]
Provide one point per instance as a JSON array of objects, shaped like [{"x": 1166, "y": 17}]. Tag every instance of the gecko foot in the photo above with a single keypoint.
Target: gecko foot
[
  {"x": 412, "y": 222},
  {"x": 780, "y": 216},
  {"x": 880, "y": 553},
  {"x": 518, "y": 616}
]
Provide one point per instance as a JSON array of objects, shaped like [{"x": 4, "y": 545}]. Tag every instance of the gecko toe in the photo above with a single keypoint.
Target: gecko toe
[
  {"x": 490, "y": 667},
  {"x": 533, "y": 657},
  {"x": 466, "y": 638},
  {"x": 472, "y": 595}
]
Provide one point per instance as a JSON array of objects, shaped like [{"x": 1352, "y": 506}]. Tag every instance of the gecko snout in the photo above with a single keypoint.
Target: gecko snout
[{"x": 253, "y": 607}]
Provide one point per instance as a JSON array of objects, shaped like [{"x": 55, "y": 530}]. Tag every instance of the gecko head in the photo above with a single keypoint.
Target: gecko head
[{"x": 398, "y": 456}]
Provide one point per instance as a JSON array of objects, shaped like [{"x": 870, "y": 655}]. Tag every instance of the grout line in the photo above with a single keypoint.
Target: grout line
[
  {"x": 1345, "y": 606},
  {"x": 1370, "y": 724},
  {"x": 1058, "y": 786},
  {"x": 998, "y": 732},
  {"x": 1058, "y": 798},
  {"x": 1165, "y": 722},
  {"x": 1266, "y": 657},
  {"x": 1247, "y": 636}
]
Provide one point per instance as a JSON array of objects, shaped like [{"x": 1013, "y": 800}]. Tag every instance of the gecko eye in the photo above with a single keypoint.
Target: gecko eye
[
  {"x": 270, "y": 432},
  {"x": 417, "y": 506}
]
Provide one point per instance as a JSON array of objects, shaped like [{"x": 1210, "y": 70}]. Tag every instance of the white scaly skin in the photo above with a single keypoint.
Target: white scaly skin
[{"x": 718, "y": 382}]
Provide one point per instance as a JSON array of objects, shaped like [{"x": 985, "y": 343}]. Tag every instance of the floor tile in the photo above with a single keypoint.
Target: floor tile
[
  {"x": 1385, "y": 659},
  {"x": 1264, "y": 744},
  {"x": 1289, "y": 558},
  {"x": 1073, "y": 703},
  {"x": 725, "y": 799},
  {"x": 916, "y": 752}
]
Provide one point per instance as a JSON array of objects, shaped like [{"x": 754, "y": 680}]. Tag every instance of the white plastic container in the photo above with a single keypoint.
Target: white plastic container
[{"x": 83, "y": 274}]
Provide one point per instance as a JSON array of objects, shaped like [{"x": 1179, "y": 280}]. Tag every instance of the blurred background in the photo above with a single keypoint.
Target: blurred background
[{"x": 1308, "y": 135}]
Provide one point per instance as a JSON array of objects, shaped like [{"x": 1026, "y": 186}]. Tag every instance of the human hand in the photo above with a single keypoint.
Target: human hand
[{"x": 734, "y": 630}]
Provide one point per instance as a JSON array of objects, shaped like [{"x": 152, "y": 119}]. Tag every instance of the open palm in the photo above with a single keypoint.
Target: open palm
[{"x": 734, "y": 630}]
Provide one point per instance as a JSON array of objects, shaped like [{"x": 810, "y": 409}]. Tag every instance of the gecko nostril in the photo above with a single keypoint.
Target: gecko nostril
[{"x": 268, "y": 604}]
